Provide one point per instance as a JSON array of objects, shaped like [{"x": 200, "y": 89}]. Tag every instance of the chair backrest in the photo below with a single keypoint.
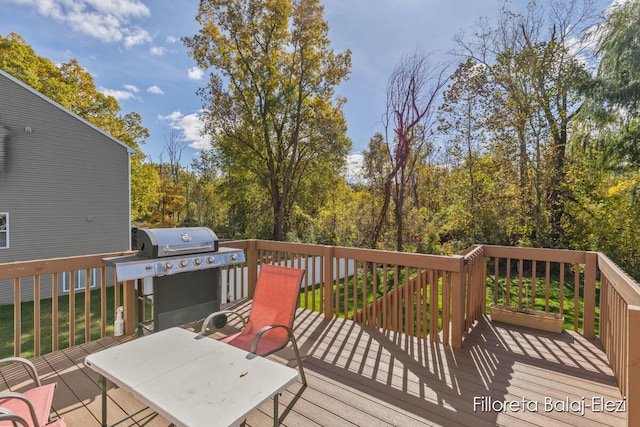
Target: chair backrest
[{"x": 276, "y": 297}]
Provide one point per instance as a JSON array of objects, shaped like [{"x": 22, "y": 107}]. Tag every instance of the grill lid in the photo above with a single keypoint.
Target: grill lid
[{"x": 164, "y": 242}]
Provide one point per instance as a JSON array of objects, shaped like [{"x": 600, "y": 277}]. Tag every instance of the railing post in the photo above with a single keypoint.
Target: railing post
[
  {"x": 252, "y": 266},
  {"x": 129, "y": 304},
  {"x": 633, "y": 374},
  {"x": 328, "y": 282},
  {"x": 588, "y": 319},
  {"x": 458, "y": 288}
]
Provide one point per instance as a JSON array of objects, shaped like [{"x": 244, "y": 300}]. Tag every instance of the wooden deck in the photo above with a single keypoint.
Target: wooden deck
[{"x": 359, "y": 376}]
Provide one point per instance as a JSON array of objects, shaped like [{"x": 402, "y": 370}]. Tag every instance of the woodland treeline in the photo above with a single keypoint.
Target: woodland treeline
[{"x": 526, "y": 135}]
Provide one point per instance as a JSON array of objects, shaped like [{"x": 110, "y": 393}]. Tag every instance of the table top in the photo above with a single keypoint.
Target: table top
[{"x": 192, "y": 380}]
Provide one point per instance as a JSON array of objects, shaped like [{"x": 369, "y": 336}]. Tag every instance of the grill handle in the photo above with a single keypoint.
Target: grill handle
[{"x": 168, "y": 249}]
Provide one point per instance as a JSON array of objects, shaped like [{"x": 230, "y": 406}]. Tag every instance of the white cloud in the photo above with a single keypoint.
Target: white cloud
[
  {"x": 191, "y": 128},
  {"x": 173, "y": 117},
  {"x": 131, "y": 88},
  {"x": 120, "y": 95},
  {"x": 355, "y": 164},
  {"x": 195, "y": 73},
  {"x": 172, "y": 39},
  {"x": 157, "y": 50},
  {"x": 155, "y": 90},
  {"x": 136, "y": 37},
  {"x": 106, "y": 20}
]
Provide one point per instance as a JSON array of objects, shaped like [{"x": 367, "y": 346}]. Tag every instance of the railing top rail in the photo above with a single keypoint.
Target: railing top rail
[
  {"x": 450, "y": 263},
  {"x": 536, "y": 254},
  {"x": 302, "y": 248},
  {"x": 470, "y": 249},
  {"x": 16, "y": 269},
  {"x": 473, "y": 252},
  {"x": 624, "y": 284},
  {"x": 437, "y": 262}
]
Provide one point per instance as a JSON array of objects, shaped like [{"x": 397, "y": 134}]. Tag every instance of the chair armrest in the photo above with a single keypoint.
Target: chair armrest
[
  {"x": 7, "y": 415},
  {"x": 20, "y": 396},
  {"x": 256, "y": 339},
  {"x": 218, "y": 313},
  {"x": 31, "y": 368}
]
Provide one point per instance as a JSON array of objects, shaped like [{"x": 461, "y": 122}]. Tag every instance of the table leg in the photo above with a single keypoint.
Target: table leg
[
  {"x": 103, "y": 381},
  {"x": 276, "y": 421}
]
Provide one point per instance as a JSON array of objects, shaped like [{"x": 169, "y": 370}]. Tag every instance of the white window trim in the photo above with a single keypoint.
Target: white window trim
[
  {"x": 79, "y": 286},
  {"x": 5, "y": 230}
]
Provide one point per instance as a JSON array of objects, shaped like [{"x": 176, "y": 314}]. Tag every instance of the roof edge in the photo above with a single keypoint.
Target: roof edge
[{"x": 66, "y": 110}]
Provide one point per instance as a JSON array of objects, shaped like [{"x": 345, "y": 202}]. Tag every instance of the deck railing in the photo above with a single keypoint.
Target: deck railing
[
  {"x": 566, "y": 283},
  {"x": 423, "y": 295},
  {"x": 411, "y": 293},
  {"x": 554, "y": 281},
  {"x": 619, "y": 326},
  {"x": 43, "y": 280}
]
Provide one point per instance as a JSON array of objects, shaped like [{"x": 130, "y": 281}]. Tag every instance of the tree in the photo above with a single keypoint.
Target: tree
[
  {"x": 412, "y": 93},
  {"x": 270, "y": 103},
  {"x": 537, "y": 62},
  {"x": 462, "y": 116},
  {"x": 617, "y": 108},
  {"x": 618, "y": 49},
  {"x": 609, "y": 138},
  {"x": 376, "y": 169}
]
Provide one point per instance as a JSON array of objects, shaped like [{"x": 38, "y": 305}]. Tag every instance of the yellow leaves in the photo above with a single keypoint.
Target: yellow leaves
[{"x": 622, "y": 187}]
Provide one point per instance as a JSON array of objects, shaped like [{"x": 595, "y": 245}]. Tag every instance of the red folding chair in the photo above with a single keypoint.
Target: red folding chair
[
  {"x": 32, "y": 406},
  {"x": 8, "y": 416},
  {"x": 270, "y": 321}
]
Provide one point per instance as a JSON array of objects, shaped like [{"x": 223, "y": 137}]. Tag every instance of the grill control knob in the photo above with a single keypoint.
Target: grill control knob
[
  {"x": 168, "y": 265},
  {"x": 211, "y": 260},
  {"x": 197, "y": 261},
  {"x": 183, "y": 263},
  {"x": 234, "y": 257}
]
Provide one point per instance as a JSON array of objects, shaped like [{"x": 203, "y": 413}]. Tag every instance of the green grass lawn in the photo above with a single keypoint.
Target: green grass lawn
[
  {"x": 569, "y": 308},
  {"x": 355, "y": 300},
  {"x": 353, "y": 304},
  {"x": 27, "y": 328}
]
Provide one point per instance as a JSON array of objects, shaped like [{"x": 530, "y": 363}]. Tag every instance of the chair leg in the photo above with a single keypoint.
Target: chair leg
[{"x": 295, "y": 349}]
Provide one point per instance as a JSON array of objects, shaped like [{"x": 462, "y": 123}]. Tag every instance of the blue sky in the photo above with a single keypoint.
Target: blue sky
[{"x": 134, "y": 52}]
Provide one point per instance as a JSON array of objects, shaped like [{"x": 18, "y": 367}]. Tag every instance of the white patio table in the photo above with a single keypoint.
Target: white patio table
[{"x": 191, "y": 380}]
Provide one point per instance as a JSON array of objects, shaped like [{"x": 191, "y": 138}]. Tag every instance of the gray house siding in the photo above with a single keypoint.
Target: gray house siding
[{"x": 63, "y": 182}]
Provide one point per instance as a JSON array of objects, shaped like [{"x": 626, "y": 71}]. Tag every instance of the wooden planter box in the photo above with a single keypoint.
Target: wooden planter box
[{"x": 524, "y": 317}]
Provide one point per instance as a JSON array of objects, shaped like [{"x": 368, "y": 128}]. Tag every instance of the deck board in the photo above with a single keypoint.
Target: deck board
[{"x": 358, "y": 375}]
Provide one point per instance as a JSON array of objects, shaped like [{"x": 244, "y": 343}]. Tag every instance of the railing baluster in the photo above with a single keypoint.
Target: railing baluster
[
  {"x": 561, "y": 303},
  {"x": 72, "y": 309},
  {"x": 36, "y": 315},
  {"x": 17, "y": 319},
  {"x": 496, "y": 275},
  {"x": 433, "y": 301},
  {"x": 534, "y": 282},
  {"x": 87, "y": 305},
  {"x": 576, "y": 299},
  {"x": 547, "y": 287},
  {"x": 444, "y": 277},
  {"x": 520, "y": 281},
  {"x": 103, "y": 301},
  {"x": 508, "y": 283},
  {"x": 54, "y": 312}
]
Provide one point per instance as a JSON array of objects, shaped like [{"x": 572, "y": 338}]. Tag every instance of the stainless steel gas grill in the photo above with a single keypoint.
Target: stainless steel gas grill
[{"x": 184, "y": 266}]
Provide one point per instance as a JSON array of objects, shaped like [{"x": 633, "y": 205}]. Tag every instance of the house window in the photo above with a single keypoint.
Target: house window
[
  {"x": 4, "y": 230},
  {"x": 80, "y": 279}
]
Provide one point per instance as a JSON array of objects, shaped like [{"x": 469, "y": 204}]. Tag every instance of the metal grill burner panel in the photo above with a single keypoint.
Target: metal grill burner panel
[{"x": 136, "y": 267}]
